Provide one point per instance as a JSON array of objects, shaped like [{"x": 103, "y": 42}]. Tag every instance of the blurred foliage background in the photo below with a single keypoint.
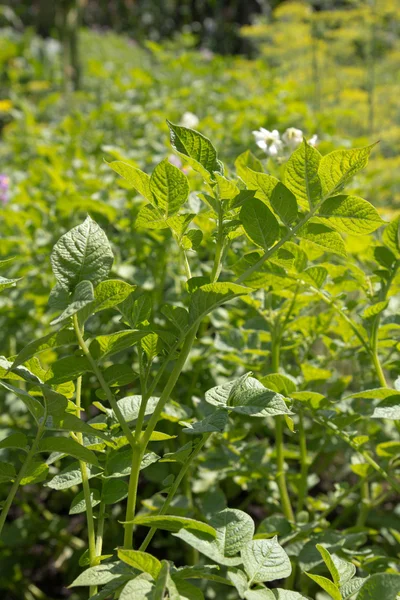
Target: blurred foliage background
[{"x": 81, "y": 82}]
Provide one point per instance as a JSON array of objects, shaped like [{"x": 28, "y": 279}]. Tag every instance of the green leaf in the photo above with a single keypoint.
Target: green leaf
[
  {"x": 113, "y": 491},
  {"x": 280, "y": 594},
  {"x": 259, "y": 595},
  {"x": 234, "y": 529},
  {"x": 208, "y": 297},
  {"x": 120, "y": 463},
  {"x": 173, "y": 523},
  {"x": 68, "y": 446},
  {"x": 322, "y": 236},
  {"x": 7, "y": 472},
  {"x": 350, "y": 214},
  {"x": 375, "y": 309},
  {"x": 105, "y": 346},
  {"x": 78, "y": 504},
  {"x": 388, "y": 409},
  {"x": 150, "y": 217},
  {"x": 170, "y": 188},
  {"x": 82, "y": 296},
  {"x": 351, "y": 587},
  {"x": 196, "y": 146},
  {"x": 15, "y": 440},
  {"x": 71, "y": 476},
  {"x": 337, "y": 168},
  {"x": 341, "y": 570},
  {"x": 140, "y": 560},
  {"x": 103, "y": 574},
  {"x": 327, "y": 585},
  {"x": 301, "y": 175},
  {"x": 259, "y": 223},
  {"x": 67, "y": 368},
  {"x": 215, "y": 422},
  {"x": 110, "y": 293},
  {"x": 261, "y": 183},
  {"x": 82, "y": 254},
  {"x": 227, "y": 189},
  {"x": 177, "y": 315},
  {"x": 391, "y": 237},
  {"x": 265, "y": 560},
  {"x": 279, "y": 383},
  {"x": 130, "y": 406},
  {"x": 283, "y": 201},
  {"x": 187, "y": 591},
  {"x": 205, "y": 544},
  {"x": 51, "y": 341},
  {"x": 139, "y": 588},
  {"x": 32, "y": 404},
  {"x": 135, "y": 177},
  {"x": 245, "y": 161},
  {"x": 7, "y": 283},
  {"x": 247, "y": 396},
  {"x": 161, "y": 582},
  {"x": 36, "y": 472}
]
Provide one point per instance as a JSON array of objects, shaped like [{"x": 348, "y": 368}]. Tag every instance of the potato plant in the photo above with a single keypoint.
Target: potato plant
[{"x": 256, "y": 386}]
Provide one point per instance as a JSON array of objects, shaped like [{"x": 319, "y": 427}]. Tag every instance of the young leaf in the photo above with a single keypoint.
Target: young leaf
[
  {"x": 113, "y": 491},
  {"x": 350, "y": 214},
  {"x": 337, "y": 168},
  {"x": 213, "y": 423},
  {"x": 265, "y": 560},
  {"x": 245, "y": 161},
  {"x": 170, "y": 188},
  {"x": 324, "y": 237},
  {"x": 103, "y": 574},
  {"x": 283, "y": 201},
  {"x": 196, "y": 146},
  {"x": 50, "y": 341},
  {"x": 174, "y": 523},
  {"x": 301, "y": 175},
  {"x": 68, "y": 446},
  {"x": 140, "y": 560},
  {"x": 135, "y": 177},
  {"x": 234, "y": 529},
  {"x": 110, "y": 293},
  {"x": 7, "y": 472},
  {"x": 105, "y": 346},
  {"x": 391, "y": 236},
  {"x": 140, "y": 588},
  {"x": 205, "y": 544},
  {"x": 78, "y": 504},
  {"x": 210, "y": 296},
  {"x": 15, "y": 440},
  {"x": 82, "y": 296},
  {"x": 327, "y": 585},
  {"x": 259, "y": 223},
  {"x": 71, "y": 476},
  {"x": 82, "y": 254}
]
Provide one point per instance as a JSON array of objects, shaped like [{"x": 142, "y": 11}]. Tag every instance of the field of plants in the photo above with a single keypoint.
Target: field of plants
[{"x": 199, "y": 312}]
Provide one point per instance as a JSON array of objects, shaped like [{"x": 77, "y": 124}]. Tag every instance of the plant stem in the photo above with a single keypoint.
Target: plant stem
[
  {"x": 86, "y": 490},
  {"x": 132, "y": 495},
  {"x": 101, "y": 380},
  {"x": 139, "y": 447},
  {"x": 303, "y": 464},
  {"x": 279, "y": 443},
  {"x": 174, "y": 488},
  {"x": 20, "y": 476},
  {"x": 100, "y": 529},
  {"x": 216, "y": 270},
  {"x": 365, "y": 507}
]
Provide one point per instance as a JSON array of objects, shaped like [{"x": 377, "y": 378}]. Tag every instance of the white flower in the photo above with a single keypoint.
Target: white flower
[
  {"x": 269, "y": 141},
  {"x": 189, "y": 120},
  {"x": 292, "y": 138},
  {"x": 313, "y": 140}
]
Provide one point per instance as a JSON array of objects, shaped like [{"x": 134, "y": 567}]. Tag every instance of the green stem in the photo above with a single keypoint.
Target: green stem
[
  {"x": 173, "y": 378},
  {"x": 216, "y": 270},
  {"x": 132, "y": 495},
  {"x": 86, "y": 490},
  {"x": 365, "y": 507},
  {"x": 100, "y": 529},
  {"x": 139, "y": 448},
  {"x": 279, "y": 443},
  {"x": 174, "y": 488},
  {"x": 101, "y": 380},
  {"x": 20, "y": 476},
  {"x": 303, "y": 464}
]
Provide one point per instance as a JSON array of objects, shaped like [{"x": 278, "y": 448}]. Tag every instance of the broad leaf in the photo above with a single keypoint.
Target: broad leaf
[
  {"x": 350, "y": 214},
  {"x": 68, "y": 446},
  {"x": 196, "y": 146},
  {"x": 82, "y": 254},
  {"x": 174, "y": 523},
  {"x": 234, "y": 530},
  {"x": 208, "y": 297},
  {"x": 170, "y": 188},
  {"x": 135, "y": 177},
  {"x": 337, "y": 168},
  {"x": 259, "y": 223},
  {"x": 265, "y": 560},
  {"x": 140, "y": 560},
  {"x": 301, "y": 175}
]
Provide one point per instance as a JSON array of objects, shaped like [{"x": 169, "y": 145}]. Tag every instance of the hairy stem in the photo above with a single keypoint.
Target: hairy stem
[{"x": 303, "y": 464}]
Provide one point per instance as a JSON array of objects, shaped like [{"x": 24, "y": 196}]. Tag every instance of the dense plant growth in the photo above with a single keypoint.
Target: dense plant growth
[{"x": 226, "y": 374}]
